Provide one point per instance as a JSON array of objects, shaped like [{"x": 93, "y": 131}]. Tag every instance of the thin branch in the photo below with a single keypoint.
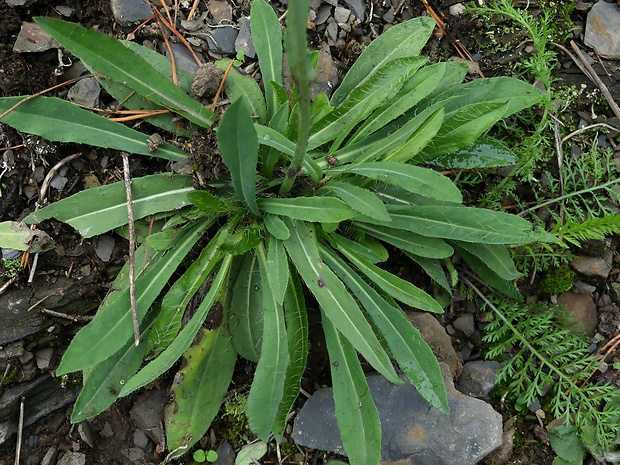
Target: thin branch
[
  {"x": 75, "y": 318},
  {"x": 20, "y": 431},
  {"x": 132, "y": 244},
  {"x": 5, "y": 286},
  {"x": 597, "y": 80},
  {"x": 221, "y": 87},
  {"x": 592, "y": 126}
]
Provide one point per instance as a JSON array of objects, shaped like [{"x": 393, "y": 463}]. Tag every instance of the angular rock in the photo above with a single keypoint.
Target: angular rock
[
  {"x": 73, "y": 458},
  {"x": 19, "y": 2},
  {"x": 326, "y": 74},
  {"x": 323, "y": 13},
  {"x": 602, "y": 31},
  {"x": 148, "y": 414},
  {"x": 244, "y": 39},
  {"x": 341, "y": 15},
  {"x": 220, "y": 10},
  {"x": 105, "y": 247},
  {"x": 127, "y": 12},
  {"x": 140, "y": 439},
  {"x": 411, "y": 429},
  {"x": 581, "y": 309},
  {"x": 478, "y": 378},
  {"x": 44, "y": 358},
  {"x": 358, "y": 8},
  {"x": 225, "y": 455},
  {"x": 465, "y": 324},
  {"x": 85, "y": 92},
  {"x": 43, "y": 395},
  {"x": 222, "y": 40},
  {"x": 592, "y": 266},
  {"x": 435, "y": 336},
  {"x": 32, "y": 38}
]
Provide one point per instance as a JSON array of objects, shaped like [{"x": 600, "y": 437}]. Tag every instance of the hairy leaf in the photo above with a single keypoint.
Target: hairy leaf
[
  {"x": 198, "y": 389},
  {"x": 333, "y": 297},
  {"x": 111, "y": 58},
  {"x": 315, "y": 209},
  {"x": 239, "y": 86},
  {"x": 276, "y": 227},
  {"x": 61, "y": 121},
  {"x": 359, "y": 199},
  {"x": 98, "y": 210},
  {"x": 356, "y": 413},
  {"x": 277, "y": 268},
  {"x": 268, "y": 385},
  {"x": 236, "y": 138},
  {"x": 486, "y": 152}
]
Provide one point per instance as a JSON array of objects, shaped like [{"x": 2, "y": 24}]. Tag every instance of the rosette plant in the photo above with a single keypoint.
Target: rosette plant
[{"x": 315, "y": 194}]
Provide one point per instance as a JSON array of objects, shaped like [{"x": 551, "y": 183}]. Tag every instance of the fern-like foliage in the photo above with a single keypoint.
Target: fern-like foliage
[
  {"x": 547, "y": 359},
  {"x": 574, "y": 232}
]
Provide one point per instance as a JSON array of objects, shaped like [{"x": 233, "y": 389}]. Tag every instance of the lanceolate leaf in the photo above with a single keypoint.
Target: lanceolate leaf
[
  {"x": 244, "y": 87},
  {"x": 422, "y": 181},
  {"x": 238, "y": 142},
  {"x": 495, "y": 257},
  {"x": 62, "y": 121},
  {"x": 465, "y": 224},
  {"x": 315, "y": 209},
  {"x": 209, "y": 203},
  {"x": 245, "y": 314},
  {"x": 434, "y": 269},
  {"x": 172, "y": 353},
  {"x": 356, "y": 412},
  {"x": 429, "y": 247},
  {"x": 361, "y": 200},
  {"x": 112, "y": 326},
  {"x": 267, "y": 39},
  {"x": 394, "y": 286},
  {"x": 111, "y": 58},
  {"x": 413, "y": 355},
  {"x": 101, "y": 209},
  {"x": 268, "y": 385},
  {"x": 297, "y": 336},
  {"x": 103, "y": 381},
  {"x": 168, "y": 323},
  {"x": 277, "y": 268},
  {"x": 276, "y": 227},
  {"x": 486, "y": 152},
  {"x": 199, "y": 389},
  {"x": 333, "y": 297},
  {"x": 403, "y": 40}
]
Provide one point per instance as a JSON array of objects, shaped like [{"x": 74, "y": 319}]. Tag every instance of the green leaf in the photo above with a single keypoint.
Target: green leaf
[
  {"x": 297, "y": 337},
  {"x": 267, "y": 39},
  {"x": 362, "y": 102},
  {"x": 271, "y": 156},
  {"x": 394, "y": 286},
  {"x": 496, "y": 257},
  {"x": 277, "y": 268},
  {"x": 168, "y": 323},
  {"x": 98, "y": 210},
  {"x": 239, "y": 86},
  {"x": 314, "y": 209},
  {"x": 238, "y": 142},
  {"x": 412, "y": 353},
  {"x": 415, "y": 179},
  {"x": 198, "y": 390},
  {"x": 61, "y": 121},
  {"x": 112, "y": 326},
  {"x": 567, "y": 444},
  {"x": 403, "y": 40},
  {"x": 428, "y": 247},
  {"x": 17, "y": 236},
  {"x": 461, "y": 223},
  {"x": 276, "y": 227},
  {"x": 433, "y": 268},
  {"x": 462, "y": 128},
  {"x": 268, "y": 385},
  {"x": 180, "y": 344},
  {"x": 359, "y": 199},
  {"x": 245, "y": 314},
  {"x": 415, "y": 89},
  {"x": 102, "y": 382},
  {"x": 209, "y": 203},
  {"x": 251, "y": 453},
  {"x": 111, "y": 58},
  {"x": 486, "y": 152},
  {"x": 333, "y": 297},
  {"x": 356, "y": 412}
]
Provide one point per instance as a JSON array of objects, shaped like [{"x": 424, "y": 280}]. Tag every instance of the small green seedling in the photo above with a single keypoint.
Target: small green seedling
[{"x": 202, "y": 456}]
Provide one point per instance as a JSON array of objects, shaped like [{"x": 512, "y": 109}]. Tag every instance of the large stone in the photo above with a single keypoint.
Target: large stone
[
  {"x": 592, "y": 266},
  {"x": 602, "y": 31},
  {"x": 581, "y": 309},
  {"x": 411, "y": 429}
]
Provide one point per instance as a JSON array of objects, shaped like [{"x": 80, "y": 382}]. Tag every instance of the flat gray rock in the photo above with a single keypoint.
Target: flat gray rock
[
  {"x": 244, "y": 39},
  {"x": 85, "y": 92},
  {"x": 358, "y": 8},
  {"x": 411, "y": 429},
  {"x": 32, "y": 38},
  {"x": 127, "y": 12},
  {"x": 223, "y": 40},
  {"x": 603, "y": 31},
  {"x": 478, "y": 378}
]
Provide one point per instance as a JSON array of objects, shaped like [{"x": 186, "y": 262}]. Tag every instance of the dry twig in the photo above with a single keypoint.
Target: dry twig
[
  {"x": 20, "y": 431},
  {"x": 75, "y": 318},
  {"x": 132, "y": 244}
]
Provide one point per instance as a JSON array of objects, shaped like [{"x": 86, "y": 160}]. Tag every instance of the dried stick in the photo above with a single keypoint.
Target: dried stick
[
  {"x": 597, "y": 80},
  {"x": 75, "y": 318},
  {"x": 578, "y": 131},
  {"x": 221, "y": 87},
  {"x": 132, "y": 244},
  {"x": 20, "y": 431},
  {"x": 7, "y": 284}
]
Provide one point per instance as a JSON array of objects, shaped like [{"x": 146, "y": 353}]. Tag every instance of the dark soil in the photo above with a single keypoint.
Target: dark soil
[{"x": 22, "y": 74}]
